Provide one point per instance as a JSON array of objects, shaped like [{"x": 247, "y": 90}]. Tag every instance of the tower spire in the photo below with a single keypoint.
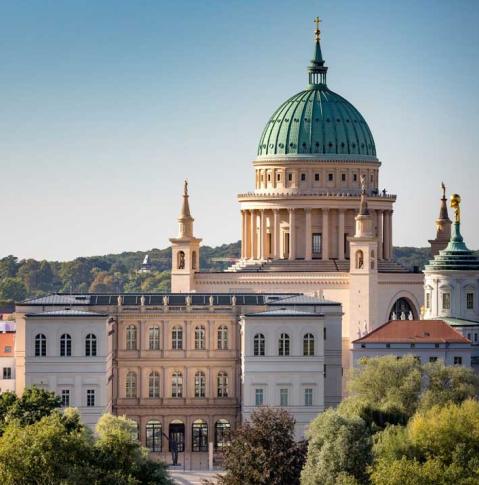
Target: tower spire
[
  {"x": 185, "y": 220},
  {"x": 317, "y": 70},
  {"x": 443, "y": 226}
]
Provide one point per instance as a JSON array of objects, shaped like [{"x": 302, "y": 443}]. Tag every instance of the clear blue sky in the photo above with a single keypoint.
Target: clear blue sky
[{"x": 106, "y": 106}]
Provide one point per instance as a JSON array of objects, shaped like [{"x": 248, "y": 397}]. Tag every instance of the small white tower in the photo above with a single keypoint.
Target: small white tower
[
  {"x": 363, "y": 272},
  {"x": 185, "y": 251}
]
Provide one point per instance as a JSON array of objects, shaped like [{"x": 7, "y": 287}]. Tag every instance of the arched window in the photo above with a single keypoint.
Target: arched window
[
  {"x": 359, "y": 259},
  {"x": 131, "y": 385},
  {"x": 40, "y": 345},
  {"x": 402, "y": 306},
  {"x": 193, "y": 260},
  {"x": 154, "y": 338},
  {"x": 177, "y": 338},
  {"x": 65, "y": 345},
  {"x": 200, "y": 339},
  {"x": 90, "y": 345},
  {"x": 199, "y": 436},
  {"x": 181, "y": 260},
  {"x": 308, "y": 344},
  {"x": 284, "y": 344},
  {"x": 200, "y": 384},
  {"x": 154, "y": 385},
  {"x": 153, "y": 435},
  {"x": 131, "y": 337},
  {"x": 222, "y": 433},
  {"x": 177, "y": 384},
  {"x": 258, "y": 344},
  {"x": 222, "y": 384}
]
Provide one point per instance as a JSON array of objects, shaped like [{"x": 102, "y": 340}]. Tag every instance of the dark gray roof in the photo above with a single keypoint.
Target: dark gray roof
[
  {"x": 67, "y": 313},
  {"x": 284, "y": 312},
  {"x": 302, "y": 300},
  {"x": 153, "y": 299}
]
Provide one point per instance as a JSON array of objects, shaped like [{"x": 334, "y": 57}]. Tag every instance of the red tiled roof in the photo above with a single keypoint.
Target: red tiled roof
[
  {"x": 414, "y": 331},
  {"x": 7, "y": 341}
]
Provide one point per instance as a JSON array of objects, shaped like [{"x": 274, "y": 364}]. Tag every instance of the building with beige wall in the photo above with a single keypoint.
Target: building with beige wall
[
  {"x": 177, "y": 361},
  {"x": 315, "y": 158}
]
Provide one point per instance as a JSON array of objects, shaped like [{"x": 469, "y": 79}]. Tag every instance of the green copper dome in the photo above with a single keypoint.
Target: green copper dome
[
  {"x": 317, "y": 123},
  {"x": 456, "y": 256}
]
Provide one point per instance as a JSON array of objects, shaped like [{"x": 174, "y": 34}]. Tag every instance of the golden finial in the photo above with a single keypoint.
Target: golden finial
[
  {"x": 317, "y": 32},
  {"x": 456, "y": 205}
]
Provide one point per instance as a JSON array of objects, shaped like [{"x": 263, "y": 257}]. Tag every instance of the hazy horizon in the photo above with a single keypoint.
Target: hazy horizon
[{"x": 108, "y": 106}]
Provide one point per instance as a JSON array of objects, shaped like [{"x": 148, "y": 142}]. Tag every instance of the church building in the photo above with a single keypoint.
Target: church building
[{"x": 316, "y": 158}]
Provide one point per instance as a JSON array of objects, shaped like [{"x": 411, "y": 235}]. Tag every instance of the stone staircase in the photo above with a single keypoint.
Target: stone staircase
[{"x": 301, "y": 265}]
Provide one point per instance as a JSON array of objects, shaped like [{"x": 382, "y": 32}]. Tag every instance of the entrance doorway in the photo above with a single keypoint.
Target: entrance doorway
[
  {"x": 177, "y": 433},
  {"x": 316, "y": 245}
]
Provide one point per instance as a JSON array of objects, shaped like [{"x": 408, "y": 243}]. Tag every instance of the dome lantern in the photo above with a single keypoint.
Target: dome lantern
[{"x": 317, "y": 69}]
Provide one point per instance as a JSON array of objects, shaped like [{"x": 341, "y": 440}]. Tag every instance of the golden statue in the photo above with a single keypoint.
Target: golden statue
[{"x": 456, "y": 205}]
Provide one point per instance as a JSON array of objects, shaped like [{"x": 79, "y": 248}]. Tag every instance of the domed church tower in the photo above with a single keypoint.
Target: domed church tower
[{"x": 312, "y": 155}]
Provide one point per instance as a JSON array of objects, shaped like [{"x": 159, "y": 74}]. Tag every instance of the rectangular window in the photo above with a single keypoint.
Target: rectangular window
[
  {"x": 258, "y": 397},
  {"x": 283, "y": 397},
  {"x": 303, "y": 177},
  {"x": 308, "y": 397},
  {"x": 343, "y": 177},
  {"x": 316, "y": 243},
  {"x": 324, "y": 333},
  {"x": 316, "y": 177},
  {"x": 355, "y": 178},
  {"x": 330, "y": 177},
  {"x": 90, "y": 397},
  {"x": 290, "y": 177},
  {"x": 65, "y": 398},
  {"x": 8, "y": 349},
  {"x": 7, "y": 372},
  {"x": 278, "y": 177},
  {"x": 446, "y": 301},
  {"x": 457, "y": 360},
  {"x": 432, "y": 359},
  {"x": 468, "y": 336},
  {"x": 388, "y": 346},
  {"x": 470, "y": 301},
  {"x": 428, "y": 300},
  {"x": 324, "y": 370}
]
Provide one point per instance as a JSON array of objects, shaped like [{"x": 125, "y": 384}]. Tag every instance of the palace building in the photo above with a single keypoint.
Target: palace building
[{"x": 315, "y": 158}]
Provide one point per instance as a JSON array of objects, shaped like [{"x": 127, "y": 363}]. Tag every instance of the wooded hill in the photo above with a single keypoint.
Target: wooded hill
[{"x": 20, "y": 279}]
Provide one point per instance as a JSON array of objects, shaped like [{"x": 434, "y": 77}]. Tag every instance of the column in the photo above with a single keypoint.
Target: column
[
  {"x": 275, "y": 236},
  {"x": 387, "y": 243},
  {"x": 380, "y": 233},
  {"x": 308, "y": 235},
  {"x": 325, "y": 235},
  {"x": 243, "y": 238},
  {"x": 252, "y": 234},
  {"x": 262, "y": 234},
  {"x": 341, "y": 235},
  {"x": 390, "y": 234},
  {"x": 292, "y": 234}
]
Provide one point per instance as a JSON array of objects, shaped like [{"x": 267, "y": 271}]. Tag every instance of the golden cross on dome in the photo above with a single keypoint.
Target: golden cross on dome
[{"x": 317, "y": 33}]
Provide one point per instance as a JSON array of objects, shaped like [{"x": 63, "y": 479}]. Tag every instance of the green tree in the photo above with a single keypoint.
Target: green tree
[
  {"x": 43, "y": 453},
  {"x": 339, "y": 450},
  {"x": 263, "y": 451},
  {"x": 8, "y": 267},
  {"x": 32, "y": 406},
  {"x": 120, "y": 459},
  {"x": 439, "y": 446},
  {"x": 12, "y": 289}
]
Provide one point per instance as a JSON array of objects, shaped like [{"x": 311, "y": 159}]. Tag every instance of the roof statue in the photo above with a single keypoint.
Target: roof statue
[{"x": 456, "y": 205}]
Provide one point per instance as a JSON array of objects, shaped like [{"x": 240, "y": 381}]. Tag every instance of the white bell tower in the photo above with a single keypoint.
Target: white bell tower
[
  {"x": 363, "y": 273},
  {"x": 185, "y": 251}
]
